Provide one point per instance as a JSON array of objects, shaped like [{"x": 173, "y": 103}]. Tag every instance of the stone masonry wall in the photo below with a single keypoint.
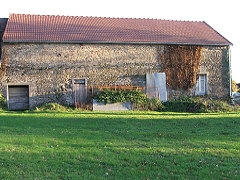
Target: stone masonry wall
[
  {"x": 49, "y": 68},
  {"x": 215, "y": 65}
]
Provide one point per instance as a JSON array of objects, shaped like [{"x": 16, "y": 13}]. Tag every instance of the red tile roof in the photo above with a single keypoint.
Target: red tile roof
[{"x": 43, "y": 28}]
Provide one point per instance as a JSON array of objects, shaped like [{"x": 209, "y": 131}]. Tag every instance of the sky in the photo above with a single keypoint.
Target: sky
[{"x": 222, "y": 15}]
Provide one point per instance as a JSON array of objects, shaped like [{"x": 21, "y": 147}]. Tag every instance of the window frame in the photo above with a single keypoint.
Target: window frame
[{"x": 204, "y": 77}]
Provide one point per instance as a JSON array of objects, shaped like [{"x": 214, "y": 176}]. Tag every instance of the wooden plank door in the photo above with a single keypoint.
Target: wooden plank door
[
  {"x": 80, "y": 92},
  {"x": 18, "y": 97}
]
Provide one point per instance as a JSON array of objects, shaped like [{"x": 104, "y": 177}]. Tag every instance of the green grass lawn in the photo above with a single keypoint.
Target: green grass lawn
[{"x": 119, "y": 145}]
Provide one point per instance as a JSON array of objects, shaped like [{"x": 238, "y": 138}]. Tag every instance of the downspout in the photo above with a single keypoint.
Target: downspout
[{"x": 230, "y": 71}]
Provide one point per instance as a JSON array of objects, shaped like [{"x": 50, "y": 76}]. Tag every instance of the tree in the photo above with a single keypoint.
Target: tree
[{"x": 234, "y": 86}]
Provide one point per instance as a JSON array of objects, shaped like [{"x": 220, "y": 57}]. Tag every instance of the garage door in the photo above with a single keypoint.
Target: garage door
[{"x": 18, "y": 97}]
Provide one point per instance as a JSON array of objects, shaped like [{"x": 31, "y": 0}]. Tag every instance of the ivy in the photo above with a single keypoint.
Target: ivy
[
  {"x": 181, "y": 64},
  {"x": 112, "y": 96}
]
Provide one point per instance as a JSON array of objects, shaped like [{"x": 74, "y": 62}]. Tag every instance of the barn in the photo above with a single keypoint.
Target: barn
[{"x": 44, "y": 57}]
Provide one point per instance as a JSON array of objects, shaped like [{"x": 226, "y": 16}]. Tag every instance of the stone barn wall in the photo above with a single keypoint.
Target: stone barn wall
[
  {"x": 215, "y": 64},
  {"x": 49, "y": 68}
]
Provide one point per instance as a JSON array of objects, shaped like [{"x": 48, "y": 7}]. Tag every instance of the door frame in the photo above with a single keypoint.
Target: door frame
[
  {"x": 19, "y": 85},
  {"x": 74, "y": 83}
]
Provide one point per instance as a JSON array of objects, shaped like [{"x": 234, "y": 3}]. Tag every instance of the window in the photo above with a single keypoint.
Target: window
[
  {"x": 201, "y": 87},
  {"x": 80, "y": 81}
]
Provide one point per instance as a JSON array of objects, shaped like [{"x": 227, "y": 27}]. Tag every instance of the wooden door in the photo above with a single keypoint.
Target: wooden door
[
  {"x": 80, "y": 92},
  {"x": 18, "y": 97}
]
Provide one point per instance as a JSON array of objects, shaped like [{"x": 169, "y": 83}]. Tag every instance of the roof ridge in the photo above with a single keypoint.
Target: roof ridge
[{"x": 108, "y": 17}]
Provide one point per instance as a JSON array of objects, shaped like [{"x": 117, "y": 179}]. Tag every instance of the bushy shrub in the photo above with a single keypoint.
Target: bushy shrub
[
  {"x": 142, "y": 102},
  {"x": 197, "y": 104},
  {"x": 149, "y": 104},
  {"x": 184, "y": 104},
  {"x": 52, "y": 107},
  {"x": 111, "y": 96},
  {"x": 3, "y": 104},
  {"x": 139, "y": 100}
]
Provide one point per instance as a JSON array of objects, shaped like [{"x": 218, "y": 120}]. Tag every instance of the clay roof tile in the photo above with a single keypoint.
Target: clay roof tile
[{"x": 45, "y": 28}]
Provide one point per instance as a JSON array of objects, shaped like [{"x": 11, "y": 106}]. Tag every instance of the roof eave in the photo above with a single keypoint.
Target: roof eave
[
  {"x": 218, "y": 33},
  {"x": 120, "y": 42}
]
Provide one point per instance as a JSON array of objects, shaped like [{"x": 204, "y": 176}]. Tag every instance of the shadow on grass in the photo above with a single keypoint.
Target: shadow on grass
[
  {"x": 66, "y": 143},
  {"x": 122, "y": 113},
  {"x": 119, "y": 128}
]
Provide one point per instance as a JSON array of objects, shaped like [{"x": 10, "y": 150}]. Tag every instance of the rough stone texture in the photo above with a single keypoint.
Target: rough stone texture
[
  {"x": 215, "y": 65},
  {"x": 49, "y": 68}
]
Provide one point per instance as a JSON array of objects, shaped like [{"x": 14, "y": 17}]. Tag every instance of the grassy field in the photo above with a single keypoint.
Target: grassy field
[{"x": 119, "y": 145}]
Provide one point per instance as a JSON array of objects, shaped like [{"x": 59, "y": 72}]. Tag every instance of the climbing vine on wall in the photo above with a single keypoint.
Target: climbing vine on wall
[
  {"x": 3, "y": 64},
  {"x": 181, "y": 64}
]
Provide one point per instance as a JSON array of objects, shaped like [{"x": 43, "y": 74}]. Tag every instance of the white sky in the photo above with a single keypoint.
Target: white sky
[{"x": 222, "y": 15}]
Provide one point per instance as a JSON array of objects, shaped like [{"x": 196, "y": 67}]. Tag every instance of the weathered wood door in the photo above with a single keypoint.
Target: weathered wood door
[
  {"x": 18, "y": 97},
  {"x": 80, "y": 92}
]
